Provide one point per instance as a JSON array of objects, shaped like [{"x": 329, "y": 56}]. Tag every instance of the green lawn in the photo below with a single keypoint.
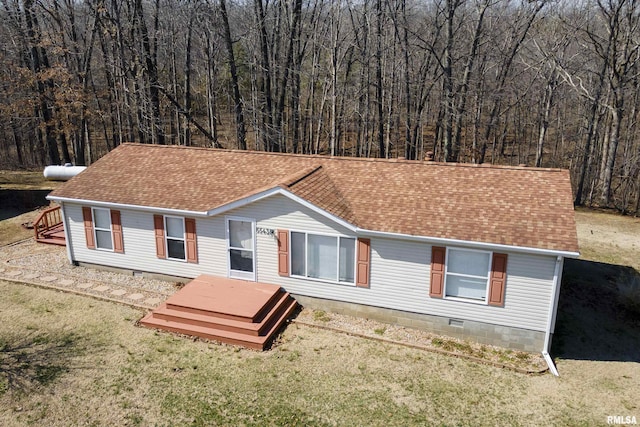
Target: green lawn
[{"x": 76, "y": 361}]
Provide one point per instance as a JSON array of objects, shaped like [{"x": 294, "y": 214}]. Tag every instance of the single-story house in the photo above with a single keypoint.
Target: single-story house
[{"x": 473, "y": 251}]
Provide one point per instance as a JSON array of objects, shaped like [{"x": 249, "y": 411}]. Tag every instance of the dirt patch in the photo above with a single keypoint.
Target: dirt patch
[
  {"x": 11, "y": 229},
  {"x": 22, "y": 195},
  {"x": 609, "y": 238},
  {"x": 598, "y": 319}
]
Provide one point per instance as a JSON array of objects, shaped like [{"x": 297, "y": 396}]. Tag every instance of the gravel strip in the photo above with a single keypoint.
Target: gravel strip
[
  {"x": 48, "y": 263},
  {"x": 518, "y": 360},
  {"x": 52, "y": 260}
]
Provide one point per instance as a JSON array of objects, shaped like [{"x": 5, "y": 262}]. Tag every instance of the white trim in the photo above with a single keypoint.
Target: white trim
[
  {"x": 446, "y": 274},
  {"x": 361, "y": 232},
  {"x": 280, "y": 191},
  {"x": 338, "y": 238},
  {"x": 166, "y": 238},
  {"x": 95, "y": 229},
  {"x": 550, "y": 364},
  {"x": 118, "y": 206},
  {"x": 551, "y": 316},
  {"x": 238, "y": 274},
  {"x": 322, "y": 212},
  {"x": 479, "y": 245},
  {"x": 67, "y": 233},
  {"x": 241, "y": 202}
]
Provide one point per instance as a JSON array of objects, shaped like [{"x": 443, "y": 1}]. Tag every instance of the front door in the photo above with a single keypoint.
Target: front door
[{"x": 241, "y": 248}]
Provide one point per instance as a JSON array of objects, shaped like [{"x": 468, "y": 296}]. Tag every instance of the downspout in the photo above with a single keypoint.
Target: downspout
[
  {"x": 67, "y": 233},
  {"x": 551, "y": 320}
]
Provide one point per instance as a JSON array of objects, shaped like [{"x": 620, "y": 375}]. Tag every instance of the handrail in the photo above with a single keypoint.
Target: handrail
[{"x": 48, "y": 218}]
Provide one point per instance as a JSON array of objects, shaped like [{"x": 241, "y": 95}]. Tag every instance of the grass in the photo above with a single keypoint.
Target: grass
[
  {"x": 609, "y": 238},
  {"x": 321, "y": 316},
  {"x": 68, "y": 360},
  {"x": 105, "y": 371}
]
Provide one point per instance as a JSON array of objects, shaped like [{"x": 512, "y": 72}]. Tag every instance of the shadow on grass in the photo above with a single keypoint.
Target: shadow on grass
[
  {"x": 34, "y": 360},
  {"x": 598, "y": 313},
  {"x": 17, "y": 202}
]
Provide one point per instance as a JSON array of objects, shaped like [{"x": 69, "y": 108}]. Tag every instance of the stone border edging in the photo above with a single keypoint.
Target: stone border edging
[
  {"x": 75, "y": 292},
  {"x": 422, "y": 347},
  {"x": 8, "y": 245},
  {"x": 80, "y": 277}
]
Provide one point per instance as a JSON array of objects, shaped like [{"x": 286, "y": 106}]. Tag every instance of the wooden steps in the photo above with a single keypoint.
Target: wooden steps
[
  {"x": 49, "y": 228},
  {"x": 231, "y": 311},
  {"x": 54, "y": 236}
]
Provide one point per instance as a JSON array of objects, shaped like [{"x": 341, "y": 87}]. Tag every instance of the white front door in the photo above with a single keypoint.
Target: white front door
[{"x": 241, "y": 248}]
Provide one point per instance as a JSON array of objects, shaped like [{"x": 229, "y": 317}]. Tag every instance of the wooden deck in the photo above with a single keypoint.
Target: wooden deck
[
  {"x": 49, "y": 228},
  {"x": 237, "y": 312},
  {"x": 54, "y": 236}
]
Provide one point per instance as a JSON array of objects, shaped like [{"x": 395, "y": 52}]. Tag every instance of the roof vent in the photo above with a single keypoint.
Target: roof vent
[{"x": 429, "y": 156}]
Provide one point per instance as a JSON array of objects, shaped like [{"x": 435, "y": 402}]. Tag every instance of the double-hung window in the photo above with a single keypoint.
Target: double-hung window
[
  {"x": 102, "y": 228},
  {"x": 330, "y": 258},
  {"x": 175, "y": 238},
  {"x": 467, "y": 274}
]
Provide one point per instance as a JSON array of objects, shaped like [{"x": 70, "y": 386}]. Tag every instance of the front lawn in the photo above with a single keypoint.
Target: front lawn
[{"x": 69, "y": 360}]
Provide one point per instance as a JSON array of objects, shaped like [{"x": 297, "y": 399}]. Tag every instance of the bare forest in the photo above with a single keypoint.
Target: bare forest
[{"x": 515, "y": 82}]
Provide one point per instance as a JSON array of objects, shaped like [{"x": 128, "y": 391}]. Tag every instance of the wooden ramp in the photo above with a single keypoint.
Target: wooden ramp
[{"x": 237, "y": 312}]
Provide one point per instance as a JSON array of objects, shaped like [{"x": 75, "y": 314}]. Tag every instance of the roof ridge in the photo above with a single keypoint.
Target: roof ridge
[
  {"x": 349, "y": 214},
  {"x": 294, "y": 178},
  {"x": 325, "y": 157}
]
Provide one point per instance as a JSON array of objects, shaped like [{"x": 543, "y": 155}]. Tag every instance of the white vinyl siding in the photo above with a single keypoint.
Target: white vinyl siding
[
  {"x": 139, "y": 239},
  {"x": 400, "y": 272},
  {"x": 399, "y": 276}
]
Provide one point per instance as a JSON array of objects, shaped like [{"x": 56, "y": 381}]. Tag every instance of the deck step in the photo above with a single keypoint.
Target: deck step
[
  {"x": 231, "y": 311},
  {"x": 215, "y": 333},
  {"x": 165, "y": 312},
  {"x": 52, "y": 241},
  {"x": 54, "y": 236},
  {"x": 254, "y": 317}
]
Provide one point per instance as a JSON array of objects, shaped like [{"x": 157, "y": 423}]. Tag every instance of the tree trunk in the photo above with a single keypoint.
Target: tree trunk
[
  {"x": 379, "y": 95},
  {"x": 211, "y": 90},
  {"x": 544, "y": 117},
  {"x": 616, "y": 120},
  {"x": 187, "y": 82},
  {"x": 240, "y": 129}
]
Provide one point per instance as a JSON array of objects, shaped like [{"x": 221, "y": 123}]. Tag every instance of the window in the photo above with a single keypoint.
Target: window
[
  {"x": 467, "y": 274},
  {"x": 174, "y": 227},
  {"x": 102, "y": 228},
  {"x": 323, "y": 257}
]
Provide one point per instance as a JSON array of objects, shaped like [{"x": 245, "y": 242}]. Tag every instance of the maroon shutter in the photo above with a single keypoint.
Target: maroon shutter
[
  {"x": 438, "y": 255},
  {"x": 498, "y": 280},
  {"x": 158, "y": 225},
  {"x": 363, "y": 258},
  {"x": 116, "y": 232},
  {"x": 87, "y": 216},
  {"x": 191, "y": 240},
  {"x": 283, "y": 252}
]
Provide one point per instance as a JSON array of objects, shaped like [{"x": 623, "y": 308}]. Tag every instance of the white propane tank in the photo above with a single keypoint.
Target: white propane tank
[{"x": 62, "y": 173}]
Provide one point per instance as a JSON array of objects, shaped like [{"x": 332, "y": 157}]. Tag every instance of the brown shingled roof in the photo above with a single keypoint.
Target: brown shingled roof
[{"x": 517, "y": 206}]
